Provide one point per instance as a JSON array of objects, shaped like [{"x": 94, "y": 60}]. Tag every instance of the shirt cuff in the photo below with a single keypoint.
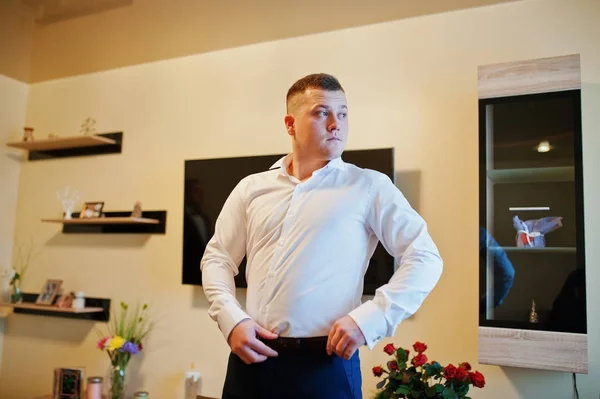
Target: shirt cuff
[
  {"x": 230, "y": 316},
  {"x": 371, "y": 321}
]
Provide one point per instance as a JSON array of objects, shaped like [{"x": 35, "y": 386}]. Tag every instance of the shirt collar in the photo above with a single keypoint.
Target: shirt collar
[{"x": 285, "y": 161}]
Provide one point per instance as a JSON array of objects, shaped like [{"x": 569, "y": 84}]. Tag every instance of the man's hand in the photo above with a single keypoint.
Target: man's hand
[
  {"x": 345, "y": 338},
  {"x": 244, "y": 342}
]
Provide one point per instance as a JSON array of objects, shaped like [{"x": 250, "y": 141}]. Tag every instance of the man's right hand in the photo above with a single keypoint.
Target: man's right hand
[{"x": 244, "y": 342}]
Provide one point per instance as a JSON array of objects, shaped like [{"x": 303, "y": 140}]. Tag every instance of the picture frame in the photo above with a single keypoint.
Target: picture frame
[
  {"x": 68, "y": 383},
  {"x": 49, "y": 292},
  {"x": 91, "y": 210}
]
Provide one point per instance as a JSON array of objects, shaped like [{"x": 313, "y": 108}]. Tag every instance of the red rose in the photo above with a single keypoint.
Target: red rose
[
  {"x": 140, "y": 346},
  {"x": 393, "y": 365},
  {"x": 465, "y": 366},
  {"x": 477, "y": 379},
  {"x": 462, "y": 374},
  {"x": 407, "y": 352},
  {"x": 389, "y": 349},
  {"x": 377, "y": 371},
  {"x": 449, "y": 372},
  {"x": 420, "y": 347},
  {"x": 419, "y": 360}
]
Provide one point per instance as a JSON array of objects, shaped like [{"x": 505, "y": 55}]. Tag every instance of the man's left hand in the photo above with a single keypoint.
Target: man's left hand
[{"x": 345, "y": 338}]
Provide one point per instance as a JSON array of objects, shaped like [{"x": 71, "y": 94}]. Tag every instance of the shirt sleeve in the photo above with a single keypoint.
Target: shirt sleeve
[
  {"x": 404, "y": 235},
  {"x": 221, "y": 260}
]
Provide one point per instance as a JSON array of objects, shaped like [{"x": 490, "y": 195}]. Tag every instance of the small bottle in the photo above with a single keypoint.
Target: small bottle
[
  {"x": 79, "y": 301},
  {"x": 140, "y": 394},
  {"x": 94, "y": 388},
  {"x": 533, "y": 316},
  {"x": 192, "y": 380}
]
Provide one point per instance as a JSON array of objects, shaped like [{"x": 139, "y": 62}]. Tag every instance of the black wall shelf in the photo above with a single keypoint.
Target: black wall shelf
[
  {"x": 129, "y": 226},
  {"x": 100, "y": 149},
  {"x": 97, "y": 309}
]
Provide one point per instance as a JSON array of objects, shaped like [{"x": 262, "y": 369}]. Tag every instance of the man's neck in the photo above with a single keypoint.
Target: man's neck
[{"x": 303, "y": 168}]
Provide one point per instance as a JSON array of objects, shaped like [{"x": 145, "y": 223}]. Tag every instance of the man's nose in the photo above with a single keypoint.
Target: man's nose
[{"x": 332, "y": 125}]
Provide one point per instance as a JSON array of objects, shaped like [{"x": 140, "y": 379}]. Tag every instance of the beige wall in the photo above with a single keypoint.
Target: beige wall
[
  {"x": 411, "y": 84},
  {"x": 13, "y": 102}
]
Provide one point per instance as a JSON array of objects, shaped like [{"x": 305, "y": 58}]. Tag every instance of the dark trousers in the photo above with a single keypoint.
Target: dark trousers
[{"x": 294, "y": 376}]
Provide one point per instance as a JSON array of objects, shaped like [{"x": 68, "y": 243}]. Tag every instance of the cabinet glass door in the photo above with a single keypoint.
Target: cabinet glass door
[{"x": 532, "y": 263}]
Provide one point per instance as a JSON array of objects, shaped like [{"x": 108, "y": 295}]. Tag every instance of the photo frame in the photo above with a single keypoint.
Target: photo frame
[
  {"x": 49, "y": 292},
  {"x": 68, "y": 383},
  {"x": 91, "y": 210}
]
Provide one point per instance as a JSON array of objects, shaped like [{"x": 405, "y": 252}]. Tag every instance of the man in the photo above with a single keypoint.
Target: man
[
  {"x": 503, "y": 270},
  {"x": 308, "y": 228}
]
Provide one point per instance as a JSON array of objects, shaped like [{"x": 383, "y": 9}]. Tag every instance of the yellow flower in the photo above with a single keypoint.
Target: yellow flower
[{"x": 116, "y": 343}]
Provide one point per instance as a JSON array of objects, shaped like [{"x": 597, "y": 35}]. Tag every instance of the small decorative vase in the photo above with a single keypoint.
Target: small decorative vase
[
  {"x": 116, "y": 382},
  {"x": 68, "y": 214},
  {"x": 16, "y": 296}
]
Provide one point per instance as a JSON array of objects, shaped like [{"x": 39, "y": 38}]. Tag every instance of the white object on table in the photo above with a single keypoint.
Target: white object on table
[
  {"x": 79, "y": 301},
  {"x": 192, "y": 380}
]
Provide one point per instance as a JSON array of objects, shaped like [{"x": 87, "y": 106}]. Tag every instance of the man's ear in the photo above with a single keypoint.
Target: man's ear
[{"x": 290, "y": 124}]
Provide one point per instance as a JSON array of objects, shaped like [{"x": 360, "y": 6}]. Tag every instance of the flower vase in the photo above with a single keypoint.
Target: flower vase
[
  {"x": 116, "y": 382},
  {"x": 16, "y": 296},
  {"x": 68, "y": 214}
]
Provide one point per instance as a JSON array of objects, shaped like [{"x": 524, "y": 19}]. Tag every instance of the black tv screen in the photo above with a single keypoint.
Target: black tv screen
[{"x": 208, "y": 183}]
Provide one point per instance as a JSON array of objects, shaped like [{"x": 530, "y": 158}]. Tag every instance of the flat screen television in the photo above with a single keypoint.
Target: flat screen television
[{"x": 208, "y": 183}]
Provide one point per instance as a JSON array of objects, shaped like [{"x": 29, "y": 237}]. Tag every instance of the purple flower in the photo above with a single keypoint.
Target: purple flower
[{"x": 130, "y": 347}]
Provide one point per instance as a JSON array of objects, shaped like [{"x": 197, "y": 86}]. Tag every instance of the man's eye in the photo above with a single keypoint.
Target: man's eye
[
  {"x": 343, "y": 115},
  {"x": 323, "y": 113}
]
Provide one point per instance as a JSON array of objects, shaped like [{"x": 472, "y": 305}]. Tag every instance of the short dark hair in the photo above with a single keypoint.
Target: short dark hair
[{"x": 321, "y": 81}]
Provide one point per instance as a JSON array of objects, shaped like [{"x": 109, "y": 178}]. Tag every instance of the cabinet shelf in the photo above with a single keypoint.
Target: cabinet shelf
[
  {"x": 533, "y": 250},
  {"x": 530, "y": 167},
  {"x": 97, "y": 309},
  {"x": 151, "y": 222},
  {"x": 532, "y": 175},
  {"x": 105, "y": 143}
]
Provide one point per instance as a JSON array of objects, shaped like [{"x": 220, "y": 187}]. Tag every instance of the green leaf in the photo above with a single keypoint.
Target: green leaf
[
  {"x": 448, "y": 393},
  {"x": 430, "y": 391},
  {"x": 462, "y": 389},
  {"x": 380, "y": 384},
  {"x": 401, "y": 355},
  {"x": 402, "y": 389}
]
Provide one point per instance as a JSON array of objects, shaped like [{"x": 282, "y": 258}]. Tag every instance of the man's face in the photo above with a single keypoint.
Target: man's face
[{"x": 318, "y": 124}]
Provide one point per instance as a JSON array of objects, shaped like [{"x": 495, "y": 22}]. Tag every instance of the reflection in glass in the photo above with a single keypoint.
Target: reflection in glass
[{"x": 532, "y": 265}]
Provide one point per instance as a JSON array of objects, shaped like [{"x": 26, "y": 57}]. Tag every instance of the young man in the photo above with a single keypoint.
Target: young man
[{"x": 308, "y": 228}]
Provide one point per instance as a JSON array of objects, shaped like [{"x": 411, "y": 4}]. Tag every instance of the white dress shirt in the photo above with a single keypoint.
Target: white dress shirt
[{"x": 308, "y": 245}]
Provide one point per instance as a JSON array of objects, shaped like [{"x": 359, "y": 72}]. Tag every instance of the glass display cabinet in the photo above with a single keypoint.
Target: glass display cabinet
[{"x": 532, "y": 302}]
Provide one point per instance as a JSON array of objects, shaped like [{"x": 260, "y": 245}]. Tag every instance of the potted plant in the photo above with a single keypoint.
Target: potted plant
[
  {"x": 22, "y": 260},
  {"x": 126, "y": 333},
  {"x": 423, "y": 379}
]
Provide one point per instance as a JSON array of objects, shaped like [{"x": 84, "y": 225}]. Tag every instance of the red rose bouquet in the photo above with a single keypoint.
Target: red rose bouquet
[{"x": 423, "y": 379}]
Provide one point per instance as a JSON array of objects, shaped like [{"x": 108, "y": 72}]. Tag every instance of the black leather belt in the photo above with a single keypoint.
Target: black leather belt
[{"x": 312, "y": 345}]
